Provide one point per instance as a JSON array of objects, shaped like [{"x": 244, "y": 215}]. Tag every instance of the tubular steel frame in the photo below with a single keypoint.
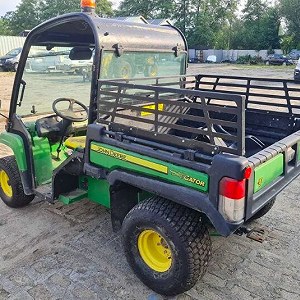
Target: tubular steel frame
[{"x": 187, "y": 114}]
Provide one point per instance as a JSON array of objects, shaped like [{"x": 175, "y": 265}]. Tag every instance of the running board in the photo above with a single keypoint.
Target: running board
[
  {"x": 45, "y": 192},
  {"x": 73, "y": 196}
]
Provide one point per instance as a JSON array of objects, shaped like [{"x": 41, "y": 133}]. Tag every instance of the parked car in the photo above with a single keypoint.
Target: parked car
[
  {"x": 297, "y": 72},
  {"x": 211, "y": 59},
  {"x": 294, "y": 54},
  {"x": 42, "y": 61},
  {"x": 51, "y": 61},
  {"x": 65, "y": 64},
  {"x": 10, "y": 61},
  {"x": 278, "y": 59}
]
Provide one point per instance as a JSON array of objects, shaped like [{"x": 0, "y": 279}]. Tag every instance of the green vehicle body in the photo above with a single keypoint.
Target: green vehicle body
[
  {"x": 112, "y": 158},
  {"x": 36, "y": 159},
  {"x": 15, "y": 143},
  {"x": 205, "y": 151}
]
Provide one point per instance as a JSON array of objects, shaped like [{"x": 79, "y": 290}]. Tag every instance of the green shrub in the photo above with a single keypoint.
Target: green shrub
[{"x": 249, "y": 60}]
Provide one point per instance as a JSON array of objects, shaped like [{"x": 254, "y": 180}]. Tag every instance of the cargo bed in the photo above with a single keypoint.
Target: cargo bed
[
  {"x": 216, "y": 125},
  {"x": 204, "y": 114}
]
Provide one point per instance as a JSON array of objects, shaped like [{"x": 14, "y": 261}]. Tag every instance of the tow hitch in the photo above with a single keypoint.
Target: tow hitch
[{"x": 256, "y": 234}]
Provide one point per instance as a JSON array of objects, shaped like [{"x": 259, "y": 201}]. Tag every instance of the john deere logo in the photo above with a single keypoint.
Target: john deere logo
[{"x": 260, "y": 181}]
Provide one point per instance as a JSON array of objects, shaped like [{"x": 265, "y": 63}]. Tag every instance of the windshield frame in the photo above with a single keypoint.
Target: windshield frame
[
  {"x": 30, "y": 41},
  {"x": 49, "y": 75}
]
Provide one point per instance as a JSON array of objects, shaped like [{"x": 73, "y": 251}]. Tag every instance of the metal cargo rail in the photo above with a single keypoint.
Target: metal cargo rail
[
  {"x": 169, "y": 111},
  {"x": 260, "y": 93}
]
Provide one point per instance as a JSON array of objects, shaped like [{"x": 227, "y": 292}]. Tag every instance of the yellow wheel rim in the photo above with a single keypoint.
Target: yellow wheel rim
[
  {"x": 4, "y": 183},
  {"x": 154, "y": 250},
  {"x": 125, "y": 71}
]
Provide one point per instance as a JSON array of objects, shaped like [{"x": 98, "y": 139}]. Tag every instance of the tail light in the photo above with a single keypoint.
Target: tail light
[{"x": 232, "y": 199}]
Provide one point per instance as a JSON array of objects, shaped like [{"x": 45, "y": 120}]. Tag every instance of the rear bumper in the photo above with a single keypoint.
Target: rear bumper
[{"x": 291, "y": 171}]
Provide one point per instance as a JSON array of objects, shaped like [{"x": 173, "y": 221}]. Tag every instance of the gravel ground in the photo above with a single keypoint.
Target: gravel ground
[
  {"x": 284, "y": 72},
  {"x": 70, "y": 252}
]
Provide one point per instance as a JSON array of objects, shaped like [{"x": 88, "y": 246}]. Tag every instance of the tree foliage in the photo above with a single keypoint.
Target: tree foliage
[
  {"x": 258, "y": 28},
  {"x": 104, "y": 8},
  {"x": 206, "y": 23},
  {"x": 290, "y": 10},
  {"x": 215, "y": 23},
  {"x": 155, "y": 9},
  {"x": 25, "y": 17},
  {"x": 30, "y": 13},
  {"x": 4, "y": 26}
]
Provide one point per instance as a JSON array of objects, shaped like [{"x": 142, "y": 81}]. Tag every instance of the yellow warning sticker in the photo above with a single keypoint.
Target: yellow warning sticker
[{"x": 151, "y": 106}]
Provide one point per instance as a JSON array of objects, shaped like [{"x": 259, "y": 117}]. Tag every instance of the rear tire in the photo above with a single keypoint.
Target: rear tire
[
  {"x": 11, "y": 188},
  {"x": 123, "y": 70},
  {"x": 264, "y": 210},
  {"x": 167, "y": 245}
]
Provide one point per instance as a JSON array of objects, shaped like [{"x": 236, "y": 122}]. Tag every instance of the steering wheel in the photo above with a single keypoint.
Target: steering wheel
[{"x": 70, "y": 113}]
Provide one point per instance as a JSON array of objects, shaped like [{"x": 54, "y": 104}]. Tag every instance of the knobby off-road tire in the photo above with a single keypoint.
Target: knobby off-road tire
[
  {"x": 264, "y": 210},
  {"x": 11, "y": 188},
  {"x": 167, "y": 245}
]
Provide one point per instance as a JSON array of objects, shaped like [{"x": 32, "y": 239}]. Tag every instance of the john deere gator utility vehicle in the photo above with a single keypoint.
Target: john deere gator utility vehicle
[{"x": 172, "y": 156}]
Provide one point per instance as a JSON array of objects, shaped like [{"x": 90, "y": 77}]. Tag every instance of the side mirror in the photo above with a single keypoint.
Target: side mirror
[{"x": 80, "y": 53}]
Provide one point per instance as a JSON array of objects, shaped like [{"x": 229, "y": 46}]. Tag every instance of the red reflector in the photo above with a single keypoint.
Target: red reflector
[
  {"x": 247, "y": 173},
  {"x": 233, "y": 189}
]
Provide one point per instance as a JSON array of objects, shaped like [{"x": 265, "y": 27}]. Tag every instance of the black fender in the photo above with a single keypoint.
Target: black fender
[{"x": 181, "y": 195}]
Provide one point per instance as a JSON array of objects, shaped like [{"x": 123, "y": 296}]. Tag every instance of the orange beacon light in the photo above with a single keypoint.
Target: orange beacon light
[{"x": 88, "y": 5}]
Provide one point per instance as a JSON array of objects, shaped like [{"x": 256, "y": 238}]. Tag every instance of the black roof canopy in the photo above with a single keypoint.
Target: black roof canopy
[{"x": 88, "y": 28}]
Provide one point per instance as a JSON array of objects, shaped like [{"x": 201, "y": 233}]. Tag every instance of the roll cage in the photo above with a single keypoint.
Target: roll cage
[{"x": 89, "y": 30}]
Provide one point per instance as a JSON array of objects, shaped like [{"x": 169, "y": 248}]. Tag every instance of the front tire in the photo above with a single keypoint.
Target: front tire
[
  {"x": 11, "y": 188},
  {"x": 167, "y": 245}
]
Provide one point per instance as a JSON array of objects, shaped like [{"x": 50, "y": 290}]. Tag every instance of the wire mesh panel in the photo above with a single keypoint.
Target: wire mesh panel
[{"x": 168, "y": 110}]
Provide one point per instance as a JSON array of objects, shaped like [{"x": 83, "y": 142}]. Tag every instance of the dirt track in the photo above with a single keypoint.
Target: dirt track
[
  {"x": 6, "y": 83},
  {"x": 70, "y": 252}
]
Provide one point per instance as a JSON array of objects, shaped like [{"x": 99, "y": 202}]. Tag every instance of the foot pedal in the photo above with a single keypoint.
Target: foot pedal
[{"x": 257, "y": 234}]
